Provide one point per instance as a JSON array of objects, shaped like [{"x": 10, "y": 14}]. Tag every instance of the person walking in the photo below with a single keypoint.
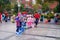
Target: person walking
[
  {"x": 17, "y": 25},
  {"x": 37, "y": 16}
]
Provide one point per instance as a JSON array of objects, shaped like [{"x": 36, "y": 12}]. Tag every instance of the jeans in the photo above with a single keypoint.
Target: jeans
[
  {"x": 18, "y": 28},
  {"x": 36, "y": 22}
]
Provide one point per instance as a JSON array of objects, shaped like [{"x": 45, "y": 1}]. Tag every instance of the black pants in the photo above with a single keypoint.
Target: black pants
[
  {"x": 5, "y": 19},
  {"x": 36, "y": 21},
  {"x": 18, "y": 28}
]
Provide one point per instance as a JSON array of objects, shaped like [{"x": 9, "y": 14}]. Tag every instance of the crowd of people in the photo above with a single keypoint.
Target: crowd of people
[
  {"x": 4, "y": 16},
  {"x": 24, "y": 20}
]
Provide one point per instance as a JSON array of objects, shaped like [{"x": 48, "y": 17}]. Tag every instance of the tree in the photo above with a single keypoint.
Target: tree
[
  {"x": 4, "y": 4},
  {"x": 39, "y": 1},
  {"x": 58, "y": 7},
  {"x": 45, "y": 6}
]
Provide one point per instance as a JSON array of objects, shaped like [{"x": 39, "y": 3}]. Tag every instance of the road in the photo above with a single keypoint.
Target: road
[{"x": 42, "y": 32}]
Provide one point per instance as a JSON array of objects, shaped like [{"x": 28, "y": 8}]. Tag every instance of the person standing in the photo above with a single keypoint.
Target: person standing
[
  {"x": 0, "y": 17},
  {"x": 3, "y": 16},
  {"x": 42, "y": 17},
  {"x": 6, "y": 16}
]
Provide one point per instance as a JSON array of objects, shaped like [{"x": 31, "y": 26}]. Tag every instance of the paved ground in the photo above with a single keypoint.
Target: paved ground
[{"x": 42, "y": 32}]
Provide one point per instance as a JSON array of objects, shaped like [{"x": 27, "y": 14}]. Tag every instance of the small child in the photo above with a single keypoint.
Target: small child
[
  {"x": 13, "y": 18},
  {"x": 33, "y": 21},
  {"x": 3, "y": 17},
  {"x": 42, "y": 17},
  {"x": 30, "y": 21},
  {"x": 0, "y": 17},
  {"x": 17, "y": 25},
  {"x": 24, "y": 22},
  {"x": 23, "y": 25}
]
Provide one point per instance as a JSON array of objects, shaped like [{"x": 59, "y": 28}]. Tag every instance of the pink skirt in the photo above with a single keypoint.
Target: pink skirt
[{"x": 29, "y": 24}]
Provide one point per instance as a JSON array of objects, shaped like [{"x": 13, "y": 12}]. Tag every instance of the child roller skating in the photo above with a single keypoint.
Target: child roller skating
[
  {"x": 17, "y": 25},
  {"x": 23, "y": 25}
]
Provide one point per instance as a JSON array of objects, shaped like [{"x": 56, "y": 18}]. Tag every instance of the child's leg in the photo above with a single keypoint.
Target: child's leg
[
  {"x": 25, "y": 25},
  {"x": 17, "y": 30},
  {"x": 21, "y": 30},
  {"x": 33, "y": 25},
  {"x": 36, "y": 22}
]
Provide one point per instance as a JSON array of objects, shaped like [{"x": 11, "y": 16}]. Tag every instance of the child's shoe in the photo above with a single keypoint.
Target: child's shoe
[{"x": 17, "y": 33}]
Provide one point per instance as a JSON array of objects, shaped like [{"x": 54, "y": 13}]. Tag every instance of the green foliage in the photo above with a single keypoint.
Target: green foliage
[
  {"x": 5, "y": 4},
  {"x": 45, "y": 6},
  {"x": 39, "y": 1},
  {"x": 57, "y": 9},
  {"x": 15, "y": 8},
  {"x": 36, "y": 7},
  {"x": 22, "y": 7},
  {"x": 50, "y": 1},
  {"x": 50, "y": 15}
]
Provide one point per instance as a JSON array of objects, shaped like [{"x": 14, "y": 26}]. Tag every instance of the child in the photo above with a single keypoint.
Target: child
[
  {"x": 49, "y": 19},
  {"x": 32, "y": 21},
  {"x": 36, "y": 16},
  {"x": 42, "y": 17},
  {"x": 17, "y": 25},
  {"x": 6, "y": 16},
  {"x": 23, "y": 25},
  {"x": 3, "y": 17},
  {"x": 29, "y": 21},
  {"x": 13, "y": 18},
  {"x": 24, "y": 22}
]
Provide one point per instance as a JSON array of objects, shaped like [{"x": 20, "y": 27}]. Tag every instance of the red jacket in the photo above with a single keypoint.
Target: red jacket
[
  {"x": 0, "y": 15},
  {"x": 36, "y": 15}
]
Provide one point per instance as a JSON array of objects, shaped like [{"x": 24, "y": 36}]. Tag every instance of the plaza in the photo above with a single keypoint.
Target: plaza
[{"x": 42, "y": 32}]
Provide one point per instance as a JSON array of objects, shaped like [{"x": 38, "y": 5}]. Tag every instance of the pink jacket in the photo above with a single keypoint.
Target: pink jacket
[
  {"x": 30, "y": 19},
  {"x": 18, "y": 23},
  {"x": 19, "y": 14}
]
